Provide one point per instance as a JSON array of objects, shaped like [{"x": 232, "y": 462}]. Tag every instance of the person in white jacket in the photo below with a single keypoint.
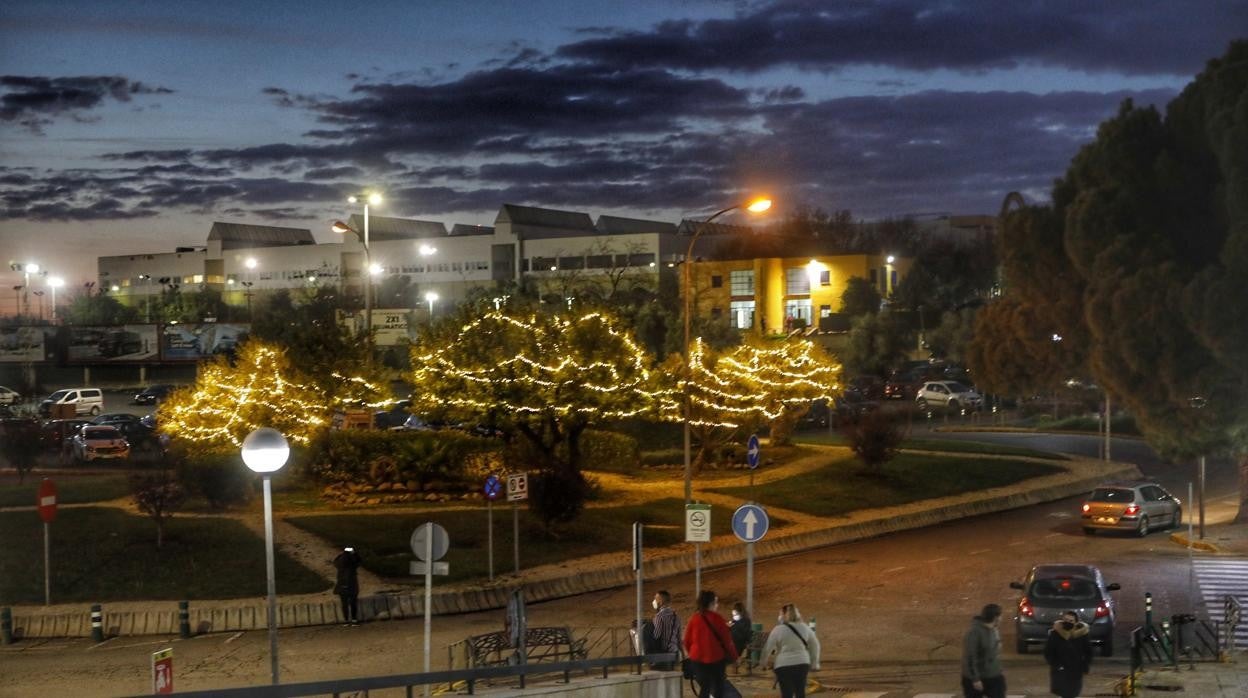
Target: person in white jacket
[{"x": 792, "y": 650}]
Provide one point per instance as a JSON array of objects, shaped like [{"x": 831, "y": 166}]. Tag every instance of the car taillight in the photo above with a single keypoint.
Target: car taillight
[
  {"x": 1087, "y": 508},
  {"x": 1132, "y": 510},
  {"x": 1102, "y": 611},
  {"x": 1025, "y": 609}
]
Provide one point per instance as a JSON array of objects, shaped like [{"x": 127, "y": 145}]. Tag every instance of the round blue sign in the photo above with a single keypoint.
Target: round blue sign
[
  {"x": 753, "y": 451},
  {"x": 750, "y": 522},
  {"x": 493, "y": 488}
]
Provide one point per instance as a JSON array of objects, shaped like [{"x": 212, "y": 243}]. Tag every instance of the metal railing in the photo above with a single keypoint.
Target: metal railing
[{"x": 467, "y": 677}]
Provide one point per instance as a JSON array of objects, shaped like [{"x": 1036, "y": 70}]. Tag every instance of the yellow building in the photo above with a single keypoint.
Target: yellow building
[{"x": 777, "y": 294}]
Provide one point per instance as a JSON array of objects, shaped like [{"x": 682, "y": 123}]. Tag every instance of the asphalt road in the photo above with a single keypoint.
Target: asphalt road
[{"x": 891, "y": 611}]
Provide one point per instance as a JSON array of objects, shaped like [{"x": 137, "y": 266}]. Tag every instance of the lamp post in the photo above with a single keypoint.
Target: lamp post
[
  {"x": 340, "y": 227},
  {"x": 757, "y": 206},
  {"x": 39, "y": 294},
  {"x": 247, "y": 295},
  {"x": 27, "y": 268},
  {"x": 432, "y": 297},
  {"x": 55, "y": 283},
  {"x": 265, "y": 451}
]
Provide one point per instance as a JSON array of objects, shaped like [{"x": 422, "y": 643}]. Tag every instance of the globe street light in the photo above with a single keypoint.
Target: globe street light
[
  {"x": 265, "y": 451},
  {"x": 756, "y": 206}
]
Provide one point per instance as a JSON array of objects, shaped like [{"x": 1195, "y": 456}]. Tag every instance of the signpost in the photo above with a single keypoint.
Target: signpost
[
  {"x": 493, "y": 490},
  {"x": 429, "y": 543},
  {"x": 753, "y": 451},
  {"x": 638, "y": 529},
  {"x": 697, "y": 531},
  {"x": 750, "y": 523},
  {"x": 47, "y": 512},
  {"x": 517, "y": 491},
  {"x": 162, "y": 671}
]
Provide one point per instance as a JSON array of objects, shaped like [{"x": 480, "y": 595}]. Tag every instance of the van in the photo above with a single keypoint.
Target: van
[{"x": 85, "y": 401}]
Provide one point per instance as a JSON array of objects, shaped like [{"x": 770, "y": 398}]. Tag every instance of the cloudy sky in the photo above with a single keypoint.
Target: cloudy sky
[{"x": 131, "y": 126}]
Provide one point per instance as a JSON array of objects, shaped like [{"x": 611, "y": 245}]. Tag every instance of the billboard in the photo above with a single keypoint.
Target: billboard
[
  {"x": 390, "y": 327},
  {"x": 118, "y": 343},
  {"x": 22, "y": 344},
  {"x": 192, "y": 342}
]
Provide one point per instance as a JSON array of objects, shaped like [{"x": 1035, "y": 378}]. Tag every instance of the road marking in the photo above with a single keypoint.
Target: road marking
[
  {"x": 237, "y": 635},
  {"x": 939, "y": 559},
  {"x": 1054, "y": 535},
  {"x": 101, "y": 644},
  {"x": 1221, "y": 577},
  {"x": 974, "y": 552},
  {"x": 1060, "y": 514},
  {"x": 895, "y": 569},
  {"x": 1019, "y": 542}
]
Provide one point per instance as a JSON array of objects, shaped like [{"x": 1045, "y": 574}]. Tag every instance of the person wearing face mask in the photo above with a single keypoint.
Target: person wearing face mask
[
  {"x": 981, "y": 656},
  {"x": 741, "y": 627},
  {"x": 792, "y": 650},
  {"x": 1069, "y": 654},
  {"x": 708, "y": 643},
  {"x": 666, "y": 628}
]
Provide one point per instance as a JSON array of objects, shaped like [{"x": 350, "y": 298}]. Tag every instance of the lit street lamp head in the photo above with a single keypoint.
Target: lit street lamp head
[
  {"x": 250, "y": 263},
  {"x": 342, "y": 228},
  {"x": 759, "y": 205},
  {"x": 373, "y": 199},
  {"x": 265, "y": 450}
]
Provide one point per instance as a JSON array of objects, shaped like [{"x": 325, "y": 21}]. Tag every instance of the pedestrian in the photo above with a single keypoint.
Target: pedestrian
[
  {"x": 1069, "y": 654},
  {"x": 981, "y": 656},
  {"x": 792, "y": 650},
  {"x": 742, "y": 628},
  {"x": 348, "y": 587},
  {"x": 708, "y": 644},
  {"x": 666, "y": 629}
]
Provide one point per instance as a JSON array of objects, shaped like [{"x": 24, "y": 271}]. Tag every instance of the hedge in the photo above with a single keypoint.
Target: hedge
[{"x": 402, "y": 456}]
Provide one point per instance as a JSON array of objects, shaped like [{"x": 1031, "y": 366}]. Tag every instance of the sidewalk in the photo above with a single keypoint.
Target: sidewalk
[{"x": 599, "y": 572}]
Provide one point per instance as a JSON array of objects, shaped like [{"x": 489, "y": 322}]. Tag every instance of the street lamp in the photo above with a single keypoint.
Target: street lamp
[
  {"x": 55, "y": 283},
  {"x": 432, "y": 297},
  {"x": 340, "y": 227},
  {"x": 756, "y": 206},
  {"x": 39, "y": 294},
  {"x": 265, "y": 451},
  {"x": 426, "y": 250},
  {"x": 247, "y": 294},
  {"x": 27, "y": 268}
]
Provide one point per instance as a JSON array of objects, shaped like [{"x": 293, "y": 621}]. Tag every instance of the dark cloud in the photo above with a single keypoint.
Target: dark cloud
[
  {"x": 1142, "y": 37},
  {"x": 347, "y": 171},
  {"x": 32, "y": 101}
]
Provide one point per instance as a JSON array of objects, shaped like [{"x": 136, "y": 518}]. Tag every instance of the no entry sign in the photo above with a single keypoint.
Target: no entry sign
[{"x": 47, "y": 500}]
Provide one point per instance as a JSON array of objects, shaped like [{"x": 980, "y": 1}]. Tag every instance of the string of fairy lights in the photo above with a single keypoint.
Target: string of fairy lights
[{"x": 583, "y": 368}]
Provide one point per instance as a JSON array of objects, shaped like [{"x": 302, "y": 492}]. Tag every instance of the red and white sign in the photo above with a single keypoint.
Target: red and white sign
[
  {"x": 162, "y": 671},
  {"x": 47, "y": 500}
]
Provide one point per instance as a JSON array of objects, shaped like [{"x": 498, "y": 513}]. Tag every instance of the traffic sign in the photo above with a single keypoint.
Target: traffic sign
[
  {"x": 493, "y": 488},
  {"x": 697, "y": 523},
  {"x": 517, "y": 487},
  {"x": 441, "y": 542},
  {"x": 750, "y": 523},
  {"x": 752, "y": 451},
  {"x": 162, "y": 671},
  {"x": 418, "y": 567},
  {"x": 47, "y": 500}
]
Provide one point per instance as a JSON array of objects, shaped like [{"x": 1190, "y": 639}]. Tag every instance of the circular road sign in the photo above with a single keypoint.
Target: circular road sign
[
  {"x": 47, "y": 500},
  {"x": 753, "y": 451},
  {"x": 441, "y": 542},
  {"x": 493, "y": 488},
  {"x": 750, "y": 523}
]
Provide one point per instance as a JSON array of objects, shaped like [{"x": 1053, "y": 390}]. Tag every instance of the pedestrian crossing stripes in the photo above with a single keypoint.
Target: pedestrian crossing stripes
[{"x": 1218, "y": 578}]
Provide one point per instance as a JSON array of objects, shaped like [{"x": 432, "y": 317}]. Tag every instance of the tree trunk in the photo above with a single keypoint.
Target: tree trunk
[
  {"x": 1242, "y": 516},
  {"x": 160, "y": 533}
]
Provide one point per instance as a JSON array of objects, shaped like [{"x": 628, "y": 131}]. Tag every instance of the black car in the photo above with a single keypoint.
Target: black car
[
  {"x": 115, "y": 419},
  {"x": 152, "y": 394},
  {"x": 54, "y": 434}
]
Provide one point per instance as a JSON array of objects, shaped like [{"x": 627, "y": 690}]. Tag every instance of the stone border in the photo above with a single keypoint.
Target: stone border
[{"x": 210, "y": 616}]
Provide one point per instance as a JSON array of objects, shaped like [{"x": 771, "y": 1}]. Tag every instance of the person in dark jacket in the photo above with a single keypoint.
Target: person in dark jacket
[
  {"x": 981, "y": 656},
  {"x": 348, "y": 587},
  {"x": 741, "y": 627},
  {"x": 708, "y": 644},
  {"x": 1069, "y": 654}
]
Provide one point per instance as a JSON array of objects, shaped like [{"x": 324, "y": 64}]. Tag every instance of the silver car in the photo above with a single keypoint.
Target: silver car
[
  {"x": 1138, "y": 507},
  {"x": 1050, "y": 590}
]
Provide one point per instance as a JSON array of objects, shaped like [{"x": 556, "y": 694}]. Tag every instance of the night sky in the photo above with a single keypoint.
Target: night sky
[{"x": 131, "y": 126}]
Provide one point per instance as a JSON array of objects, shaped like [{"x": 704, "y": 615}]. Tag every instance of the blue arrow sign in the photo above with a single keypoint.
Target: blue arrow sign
[
  {"x": 750, "y": 523},
  {"x": 752, "y": 452},
  {"x": 493, "y": 488}
]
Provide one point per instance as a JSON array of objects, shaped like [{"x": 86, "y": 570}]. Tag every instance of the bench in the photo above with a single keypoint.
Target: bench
[{"x": 541, "y": 645}]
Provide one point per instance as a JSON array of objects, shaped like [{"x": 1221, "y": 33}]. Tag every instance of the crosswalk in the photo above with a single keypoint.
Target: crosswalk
[{"x": 1219, "y": 577}]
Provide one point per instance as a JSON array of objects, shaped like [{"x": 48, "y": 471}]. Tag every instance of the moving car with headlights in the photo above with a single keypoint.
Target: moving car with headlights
[
  {"x": 1049, "y": 590},
  {"x": 95, "y": 442},
  {"x": 1138, "y": 507}
]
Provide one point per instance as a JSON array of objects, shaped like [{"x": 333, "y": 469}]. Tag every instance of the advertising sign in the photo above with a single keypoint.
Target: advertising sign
[
  {"x": 121, "y": 343},
  {"x": 390, "y": 327},
  {"x": 21, "y": 344},
  {"x": 190, "y": 342}
]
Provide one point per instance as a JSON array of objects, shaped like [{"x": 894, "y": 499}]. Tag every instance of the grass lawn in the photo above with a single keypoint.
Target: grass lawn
[
  {"x": 101, "y": 554},
  {"x": 842, "y": 486},
  {"x": 70, "y": 489},
  {"x": 950, "y": 446},
  {"x": 382, "y": 539}
]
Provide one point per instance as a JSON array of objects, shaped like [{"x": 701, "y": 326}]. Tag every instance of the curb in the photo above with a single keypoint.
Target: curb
[
  {"x": 253, "y": 615},
  {"x": 1181, "y": 539}
]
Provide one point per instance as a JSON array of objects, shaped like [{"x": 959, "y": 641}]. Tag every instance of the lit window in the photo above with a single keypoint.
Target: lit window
[
  {"x": 741, "y": 283},
  {"x": 741, "y": 313},
  {"x": 796, "y": 281}
]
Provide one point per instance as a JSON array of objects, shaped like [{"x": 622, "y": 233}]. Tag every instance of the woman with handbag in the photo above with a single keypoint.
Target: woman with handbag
[
  {"x": 792, "y": 650},
  {"x": 708, "y": 646}
]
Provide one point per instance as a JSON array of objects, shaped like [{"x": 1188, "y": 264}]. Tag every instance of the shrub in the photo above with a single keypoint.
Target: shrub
[
  {"x": 606, "y": 450},
  {"x": 401, "y": 456},
  {"x": 557, "y": 497},
  {"x": 219, "y": 477},
  {"x": 874, "y": 438}
]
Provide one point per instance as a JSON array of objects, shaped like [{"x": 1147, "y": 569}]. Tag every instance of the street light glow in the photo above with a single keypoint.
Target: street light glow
[
  {"x": 250, "y": 263},
  {"x": 759, "y": 205},
  {"x": 426, "y": 250},
  {"x": 56, "y": 282},
  {"x": 32, "y": 268},
  {"x": 375, "y": 269},
  {"x": 265, "y": 450},
  {"x": 890, "y": 259},
  {"x": 432, "y": 296}
]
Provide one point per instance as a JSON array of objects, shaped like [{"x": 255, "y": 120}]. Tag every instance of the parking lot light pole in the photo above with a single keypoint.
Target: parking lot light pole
[{"x": 265, "y": 451}]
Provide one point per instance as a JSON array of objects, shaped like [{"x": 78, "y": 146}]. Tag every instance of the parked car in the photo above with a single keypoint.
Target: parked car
[
  {"x": 393, "y": 417},
  {"x": 85, "y": 401},
  {"x": 116, "y": 418},
  {"x": 950, "y": 395},
  {"x": 8, "y": 396},
  {"x": 903, "y": 385},
  {"x": 869, "y": 387},
  {"x": 56, "y": 434},
  {"x": 152, "y": 394},
  {"x": 1049, "y": 590},
  {"x": 1131, "y": 506},
  {"x": 94, "y": 442}
]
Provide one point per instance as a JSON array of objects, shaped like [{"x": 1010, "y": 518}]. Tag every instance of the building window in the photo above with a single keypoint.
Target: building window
[
  {"x": 825, "y": 277},
  {"x": 717, "y": 281},
  {"x": 893, "y": 282},
  {"x": 641, "y": 260},
  {"x": 741, "y": 313},
  {"x": 571, "y": 262},
  {"x": 796, "y": 310},
  {"x": 875, "y": 277},
  {"x": 825, "y": 311},
  {"x": 543, "y": 263},
  {"x": 741, "y": 283},
  {"x": 796, "y": 282}
]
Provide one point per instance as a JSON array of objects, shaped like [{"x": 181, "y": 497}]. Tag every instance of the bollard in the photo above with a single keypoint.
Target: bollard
[
  {"x": 1148, "y": 611},
  {"x": 97, "y": 623},
  {"x": 184, "y": 619},
  {"x": 6, "y": 626}
]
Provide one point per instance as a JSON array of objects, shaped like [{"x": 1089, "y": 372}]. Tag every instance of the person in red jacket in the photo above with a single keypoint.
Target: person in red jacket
[{"x": 708, "y": 645}]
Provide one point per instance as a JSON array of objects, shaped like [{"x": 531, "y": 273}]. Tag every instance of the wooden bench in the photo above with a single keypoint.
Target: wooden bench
[{"x": 541, "y": 645}]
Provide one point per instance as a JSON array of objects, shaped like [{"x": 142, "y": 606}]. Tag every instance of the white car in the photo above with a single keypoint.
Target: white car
[
  {"x": 9, "y": 396},
  {"x": 950, "y": 395},
  {"x": 94, "y": 442}
]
